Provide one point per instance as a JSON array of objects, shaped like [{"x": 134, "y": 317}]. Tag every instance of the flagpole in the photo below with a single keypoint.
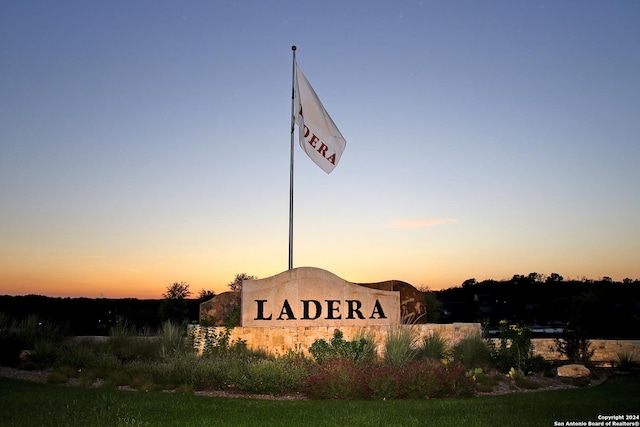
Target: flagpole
[{"x": 293, "y": 92}]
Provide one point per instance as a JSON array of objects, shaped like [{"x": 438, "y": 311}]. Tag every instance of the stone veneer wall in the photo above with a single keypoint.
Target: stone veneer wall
[
  {"x": 278, "y": 341},
  {"x": 606, "y": 351}
]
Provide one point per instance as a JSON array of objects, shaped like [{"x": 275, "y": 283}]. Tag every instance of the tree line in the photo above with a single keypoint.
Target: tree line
[{"x": 602, "y": 308}]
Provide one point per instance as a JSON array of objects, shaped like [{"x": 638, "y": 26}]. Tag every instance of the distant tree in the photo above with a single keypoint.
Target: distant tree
[
  {"x": 178, "y": 290},
  {"x": 627, "y": 281},
  {"x": 433, "y": 304},
  {"x": 205, "y": 295},
  {"x": 469, "y": 282},
  {"x": 554, "y": 278},
  {"x": 607, "y": 279},
  {"x": 535, "y": 277},
  {"x": 174, "y": 305},
  {"x": 518, "y": 278},
  {"x": 236, "y": 285}
]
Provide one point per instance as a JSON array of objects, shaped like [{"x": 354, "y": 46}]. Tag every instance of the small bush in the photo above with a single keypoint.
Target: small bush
[
  {"x": 365, "y": 347},
  {"x": 384, "y": 382},
  {"x": 400, "y": 348},
  {"x": 341, "y": 379},
  {"x": 575, "y": 346},
  {"x": 80, "y": 353},
  {"x": 433, "y": 347},
  {"x": 472, "y": 352},
  {"x": 417, "y": 380},
  {"x": 18, "y": 335},
  {"x": 489, "y": 380},
  {"x": 43, "y": 355},
  {"x": 515, "y": 350},
  {"x": 273, "y": 377},
  {"x": 361, "y": 349},
  {"x": 426, "y": 379},
  {"x": 627, "y": 361},
  {"x": 172, "y": 339}
]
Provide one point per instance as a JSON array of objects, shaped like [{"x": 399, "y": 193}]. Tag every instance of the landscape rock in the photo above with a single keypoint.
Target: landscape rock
[
  {"x": 413, "y": 306},
  {"x": 573, "y": 371},
  {"x": 218, "y": 310}
]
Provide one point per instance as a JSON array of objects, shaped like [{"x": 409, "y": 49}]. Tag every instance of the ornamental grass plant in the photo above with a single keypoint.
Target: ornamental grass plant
[
  {"x": 472, "y": 352},
  {"x": 401, "y": 345},
  {"x": 433, "y": 347}
]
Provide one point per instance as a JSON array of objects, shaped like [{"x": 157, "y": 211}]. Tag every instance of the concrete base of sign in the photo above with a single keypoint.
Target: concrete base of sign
[{"x": 278, "y": 341}]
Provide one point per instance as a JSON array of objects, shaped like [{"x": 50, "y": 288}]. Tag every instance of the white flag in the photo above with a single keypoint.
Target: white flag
[{"x": 319, "y": 136}]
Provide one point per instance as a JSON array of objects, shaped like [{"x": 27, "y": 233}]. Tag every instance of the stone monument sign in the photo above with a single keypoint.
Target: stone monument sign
[{"x": 308, "y": 296}]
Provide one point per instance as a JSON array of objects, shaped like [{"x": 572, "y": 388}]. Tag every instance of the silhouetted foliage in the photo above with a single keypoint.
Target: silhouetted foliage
[
  {"x": 174, "y": 305},
  {"x": 598, "y": 308},
  {"x": 554, "y": 277},
  {"x": 177, "y": 290},
  {"x": 236, "y": 285},
  {"x": 205, "y": 295},
  {"x": 604, "y": 309},
  {"x": 433, "y": 306}
]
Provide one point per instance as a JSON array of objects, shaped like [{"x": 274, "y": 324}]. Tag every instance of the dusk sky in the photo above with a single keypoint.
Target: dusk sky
[{"x": 144, "y": 143}]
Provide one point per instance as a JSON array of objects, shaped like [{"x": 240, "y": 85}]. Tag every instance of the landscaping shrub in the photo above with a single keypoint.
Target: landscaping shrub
[
  {"x": 361, "y": 349},
  {"x": 270, "y": 376},
  {"x": 83, "y": 353},
  {"x": 433, "y": 347},
  {"x": 515, "y": 350},
  {"x": 627, "y": 360},
  {"x": 21, "y": 336},
  {"x": 128, "y": 346},
  {"x": 417, "y": 380},
  {"x": 527, "y": 383},
  {"x": 172, "y": 339},
  {"x": 340, "y": 379},
  {"x": 472, "y": 351},
  {"x": 429, "y": 379},
  {"x": 575, "y": 346},
  {"x": 400, "y": 347},
  {"x": 43, "y": 355},
  {"x": 383, "y": 382},
  {"x": 365, "y": 347},
  {"x": 485, "y": 383}
]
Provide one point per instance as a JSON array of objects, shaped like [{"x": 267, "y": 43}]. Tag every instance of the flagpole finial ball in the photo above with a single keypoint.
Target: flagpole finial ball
[{"x": 293, "y": 47}]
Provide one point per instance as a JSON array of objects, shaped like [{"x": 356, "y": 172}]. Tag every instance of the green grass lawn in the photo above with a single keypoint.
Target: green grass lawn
[{"x": 31, "y": 404}]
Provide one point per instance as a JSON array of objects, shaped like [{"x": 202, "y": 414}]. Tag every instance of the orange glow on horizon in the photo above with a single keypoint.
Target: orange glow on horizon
[{"x": 151, "y": 284}]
